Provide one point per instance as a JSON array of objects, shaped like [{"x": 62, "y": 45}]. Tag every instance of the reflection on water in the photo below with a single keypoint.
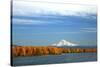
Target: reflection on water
[{"x": 51, "y": 59}]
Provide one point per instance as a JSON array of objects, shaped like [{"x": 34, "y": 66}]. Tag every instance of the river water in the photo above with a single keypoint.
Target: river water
[{"x": 53, "y": 59}]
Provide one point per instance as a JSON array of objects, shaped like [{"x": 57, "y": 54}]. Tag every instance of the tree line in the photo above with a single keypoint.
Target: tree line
[{"x": 46, "y": 50}]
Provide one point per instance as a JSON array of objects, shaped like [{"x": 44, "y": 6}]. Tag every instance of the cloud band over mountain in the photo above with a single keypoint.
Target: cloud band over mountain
[{"x": 31, "y": 9}]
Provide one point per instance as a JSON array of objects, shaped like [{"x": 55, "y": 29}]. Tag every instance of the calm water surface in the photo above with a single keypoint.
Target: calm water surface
[{"x": 51, "y": 59}]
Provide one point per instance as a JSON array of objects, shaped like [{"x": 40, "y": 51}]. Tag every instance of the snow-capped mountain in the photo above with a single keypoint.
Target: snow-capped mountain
[{"x": 64, "y": 43}]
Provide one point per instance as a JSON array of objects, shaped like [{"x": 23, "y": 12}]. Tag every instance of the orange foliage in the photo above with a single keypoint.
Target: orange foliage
[{"x": 38, "y": 51}]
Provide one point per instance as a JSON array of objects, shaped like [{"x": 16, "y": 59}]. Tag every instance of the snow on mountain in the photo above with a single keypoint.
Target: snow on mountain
[{"x": 64, "y": 43}]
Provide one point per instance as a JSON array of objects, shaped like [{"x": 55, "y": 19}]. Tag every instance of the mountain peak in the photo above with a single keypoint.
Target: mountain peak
[{"x": 64, "y": 43}]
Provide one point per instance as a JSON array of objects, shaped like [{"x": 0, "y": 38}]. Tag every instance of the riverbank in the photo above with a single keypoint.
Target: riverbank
[{"x": 46, "y": 50}]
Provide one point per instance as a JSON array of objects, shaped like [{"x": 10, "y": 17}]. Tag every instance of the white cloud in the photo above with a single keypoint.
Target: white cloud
[
  {"x": 89, "y": 2},
  {"x": 51, "y": 7},
  {"x": 89, "y": 30},
  {"x": 29, "y": 21},
  {"x": 25, "y": 7}
]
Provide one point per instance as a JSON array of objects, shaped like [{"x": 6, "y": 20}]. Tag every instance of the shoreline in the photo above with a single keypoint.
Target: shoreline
[{"x": 25, "y": 51}]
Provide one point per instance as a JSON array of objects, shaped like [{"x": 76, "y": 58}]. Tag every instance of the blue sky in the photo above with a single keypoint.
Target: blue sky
[{"x": 36, "y": 23}]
